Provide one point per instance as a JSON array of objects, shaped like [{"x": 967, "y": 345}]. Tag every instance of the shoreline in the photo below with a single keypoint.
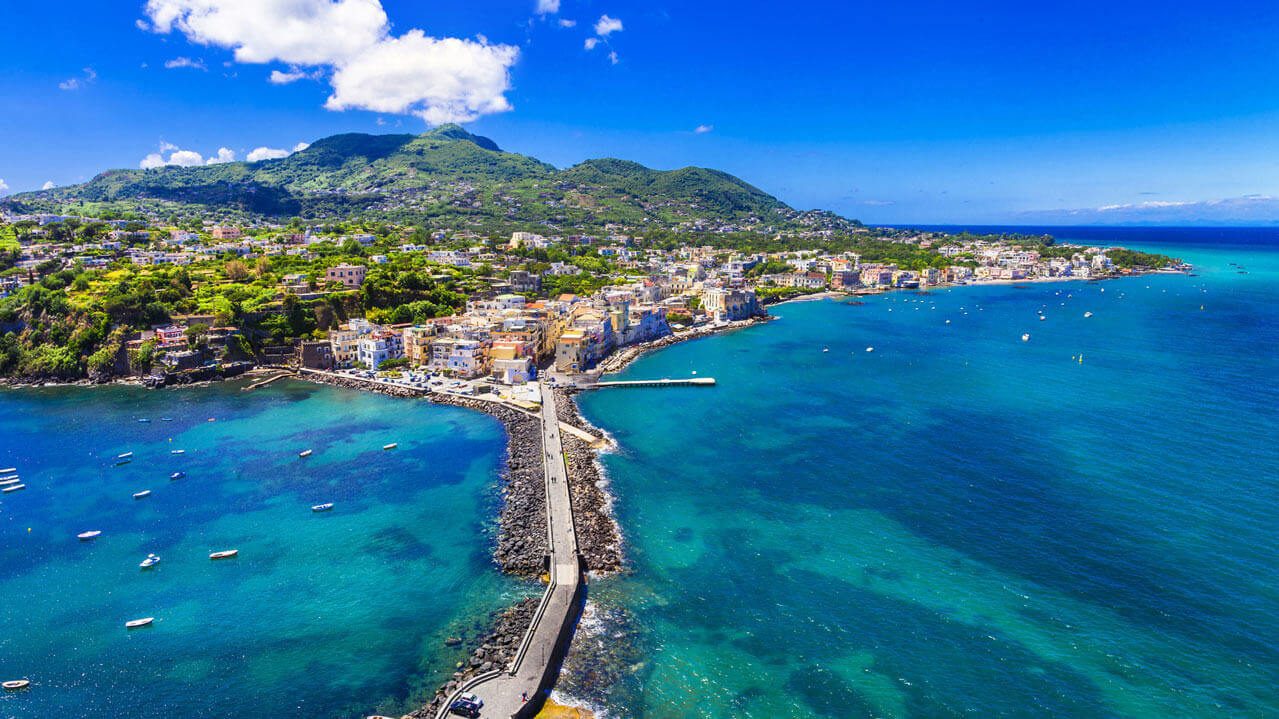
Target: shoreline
[{"x": 620, "y": 360}]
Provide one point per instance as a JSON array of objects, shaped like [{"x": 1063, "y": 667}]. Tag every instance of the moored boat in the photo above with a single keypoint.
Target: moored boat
[
  {"x": 304, "y": 453},
  {"x": 144, "y": 421},
  {"x": 392, "y": 445},
  {"x": 177, "y": 451},
  {"x": 150, "y": 561},
  {"x": 1025, "y": 337},
  {"x": 322, "y": 507},
  {"x": 166, "y": 419},
  {"x": 1087, "y": 314},
  {"x": 143, "y": 493},
  {"x": 126, "y": 455},
  {"x": 225, "y": 554},
  {"x": 8, "y": 470},
  {"x": 9, "y": 480},
  {"x": 14, "y": 488},
  {"x": 177, "y": 475},
  {"x": 88, "y": 536},
  {"x": 145, "y": 621},
  {"x": 15, "y": 685}
]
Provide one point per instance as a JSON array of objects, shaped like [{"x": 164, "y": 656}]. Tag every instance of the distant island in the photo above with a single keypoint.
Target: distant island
[{"x": 440, "y": 253}]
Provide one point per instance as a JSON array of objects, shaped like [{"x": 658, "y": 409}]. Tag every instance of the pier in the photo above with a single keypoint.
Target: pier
[
  {"x": 697, "y": 381},
  {"x": 536, "y": 665}
]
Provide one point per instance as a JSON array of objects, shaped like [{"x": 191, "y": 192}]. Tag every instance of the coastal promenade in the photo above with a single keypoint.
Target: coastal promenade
[{"x": 535, "y": 668}]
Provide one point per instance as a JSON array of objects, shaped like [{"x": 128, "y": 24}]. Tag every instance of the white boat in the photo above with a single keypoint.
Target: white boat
[
  {"x": 1025, "y": 337},
  {"x": 150, "y": 561},
  {"x": 1042, "y": 318},
  {"x": 8, "y": 477},
  {"x": 89, "y": 536},
  {"x": 126, "y": 455},
  {"x": 304, "y": 453},
  {"x": 7, "y": 470},
  {"x": 177, "y": 451},
  {"x": 145, "y": 621},
  {"x": 225, "y": 554},
  {"x": 870, "y": 349},
  {"x": 143, "y": 493},
  {"x": 392, "y": 445},
  {"x": 15, "y": 685},
  {"x": 14, "y": 488},
  {"x": 9, "y": 480},
  {"x": 1087, "y": 314},
  {"x": 322, "y": 507}
]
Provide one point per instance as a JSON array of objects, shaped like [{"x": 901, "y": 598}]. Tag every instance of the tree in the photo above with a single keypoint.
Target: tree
[
  {"x": 263, "y": 266},
  {"x": 236, "y": 271}
]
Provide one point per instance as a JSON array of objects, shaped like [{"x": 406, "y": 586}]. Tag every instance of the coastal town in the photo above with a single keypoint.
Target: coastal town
[{"x": 440, "y": 310}]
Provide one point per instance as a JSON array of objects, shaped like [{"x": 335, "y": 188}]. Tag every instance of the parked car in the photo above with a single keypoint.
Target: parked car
[{"x": 464, "y": 708}]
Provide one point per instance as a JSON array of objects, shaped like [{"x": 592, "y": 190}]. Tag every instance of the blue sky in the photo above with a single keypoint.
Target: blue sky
[{"x": 933, "y": 112}]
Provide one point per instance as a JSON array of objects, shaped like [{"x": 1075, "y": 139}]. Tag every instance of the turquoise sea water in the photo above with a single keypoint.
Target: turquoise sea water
[
  {"x": 961, "y": 523},
  {"x": 321, "y": 615}
]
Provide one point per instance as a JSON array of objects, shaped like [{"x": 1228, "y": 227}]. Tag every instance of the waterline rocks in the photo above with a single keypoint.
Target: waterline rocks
[{"x": 599, "y": 539}]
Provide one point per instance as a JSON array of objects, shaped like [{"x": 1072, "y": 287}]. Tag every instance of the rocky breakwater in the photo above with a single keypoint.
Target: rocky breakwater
[
  {"x": 599, "y": 540},
  {"x": 618, "y": 361},
  {"x": 338, "y": 380},
  {"x": 495, "y": 651}
]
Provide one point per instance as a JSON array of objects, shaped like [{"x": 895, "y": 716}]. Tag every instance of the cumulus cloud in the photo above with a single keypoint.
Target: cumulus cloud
[
  {"x": 48, "y": 185},
  {"x": 613, "y": 58},
  {"x": 607, "y": 26},
  {"x": 703, "y": 129},
  {"x": 437, "y": 79},
  {"x": 565, "y": 22},
  {"x": 3, "y": 187},
  {"x": 1245, "y": 210},
  {"x": 284, "y": 78},
  {"x": 268, "y": 153},
  {"x": 76, "y": 83},
  {"x": 179, "y": 62},
  {"x": 591, "y": 42},
  {"x": 224, "y": 155},
  {"x": 548, "y": 7}
]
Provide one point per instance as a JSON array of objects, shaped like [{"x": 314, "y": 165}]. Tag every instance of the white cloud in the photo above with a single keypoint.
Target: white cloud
[
  {"x": 613, "y": 58},
  {"x": 284, "y": 78},
  {"x": 181, "y": 158},
  {"x": 142, "y": 24},
  {"x": 607, "y": 26},
  {"x": 548, "y": 7},
  {"x": 269, "y": 153},
  {"x": 48, "y": 185},
  {"x": 703, "y": 129},
  {"x": 438, "y": 79},
  {"x": 179, "y": 62},
  {"x": 591, "y": 42},
  {"x": 224, "y": 155},
  {"x": 185, "y": 158},
  {"x": 565, "y": 22},
  {"x": 166, "y": 146},
  {"x": 3, "y": 186},
  {"x": 76, "y": 83}
]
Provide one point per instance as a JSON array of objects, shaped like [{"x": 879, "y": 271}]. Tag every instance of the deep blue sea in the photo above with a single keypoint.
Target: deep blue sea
[
  {"x": 339, "y": 614},
  {"x": 962, "y": 523}
]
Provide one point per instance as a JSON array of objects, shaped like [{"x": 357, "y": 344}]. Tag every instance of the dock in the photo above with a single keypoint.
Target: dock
[
  {"x": 268, "y": 381},
  {"x": 536, "y": 666},
  {"x": 696, "y": 381}
]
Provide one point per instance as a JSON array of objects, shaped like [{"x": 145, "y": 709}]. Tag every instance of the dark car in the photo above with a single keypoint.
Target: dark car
[{"x": 465, "y": 708}]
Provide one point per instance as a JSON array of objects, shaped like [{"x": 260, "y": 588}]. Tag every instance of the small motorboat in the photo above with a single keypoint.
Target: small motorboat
[
  {"x": 826, "y": 349},
  {"x": 144, "y": 622},
  {"x": 144, "y": 421},
  {"x": 177, "y": 451},
  {"x": 226, "y": 554},
  {"x": 14, "y": 488},
  {"x": 143, "y": 494},
  {"x": 392, "y": 445},
  {"x": 9, "y": 480},
  {"x": 15, "y": 685},
  {"x": 1042, "y": 318},
  {"x": 89, "y": 536},
  {"x": 322, "y": 507},
  {"x": 177, "y": 475},
  {"x": 1025, "y": 337},
  {"x": 870, "y": 349},
  {"x": 8, "y": 470},
  {"x": 150, "y": 561},
  {"x": 1087, "y": 314},
  {"x": 166, "y": 419},
  {"x": 304, "y": 453},
  {"x": 126, "y": 455}
]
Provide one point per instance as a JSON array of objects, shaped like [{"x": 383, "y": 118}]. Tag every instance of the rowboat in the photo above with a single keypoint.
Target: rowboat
[
  {"x": 322, "y": 507},
  {"x": 143, "y": 493},
  {"x": 304, "y": 453},
  {"x": 8, "y": 470},
  {"x": 15, "y": 685},
  {"x": 14, "y": 488},
  {"x": 8, "y": 474},
  {"x": 226, "y": 554},
  {"x": 145, "y": 621},
  {"x": 89, "y": 536},
  {"x": 392, "y": 445}
]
